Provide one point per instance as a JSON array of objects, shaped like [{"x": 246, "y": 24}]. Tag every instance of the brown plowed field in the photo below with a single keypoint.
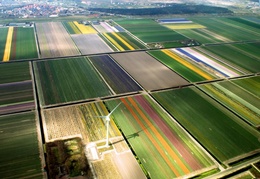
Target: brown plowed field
[
  {"x": 147, "y": 71},
  {"x": 54, "y": 40}
]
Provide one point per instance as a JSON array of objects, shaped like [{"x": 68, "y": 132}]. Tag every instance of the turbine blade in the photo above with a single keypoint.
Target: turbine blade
[
  {"x": 100, "y": 116},
  {"x": 114, "y": 109}
]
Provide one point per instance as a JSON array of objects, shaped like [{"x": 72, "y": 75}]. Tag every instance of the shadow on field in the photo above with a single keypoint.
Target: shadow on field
[{"x": 136, "y": 134}]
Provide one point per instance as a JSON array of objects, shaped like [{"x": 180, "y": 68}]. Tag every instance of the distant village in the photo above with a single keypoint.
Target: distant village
[
  {"x": 59, "y": 8},
  {"x": 37, "y": 9}
]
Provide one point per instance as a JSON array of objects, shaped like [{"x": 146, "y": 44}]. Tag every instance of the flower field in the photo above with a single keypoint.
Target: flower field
[
  {"x": 67, "y": 80},
  {"x": 85, "y": 29},
  {"x": 179, "y": 23},
  {"x": 74, "y": 27},
  {"x": 184, "y": 26},
  {"x": 20, "y": 155},
  {"x": 239, "y": 29},
  {"x": 19, "y": 44},
  {"x": 54, "y": 40},
  {"x": 209, "y": 63},
  {"x": 117, "y": 79},
  {"x": 222, "y": 133},
  {"x": 236, "y": 98},
  {"x": 162, "y": 147},
  {"x": 185, "y": 68},
  {"x": 16, "y": 89},
  {"x": 78, "y": 120},
  {"x": 122, "y": 41},
  {"x": 82, "y": 121},
  {"x": 147, "y": 71},
  {"x": 105, "y": 27},
  {"x": 238, "y": 56},
  {"x": 71, "y": 28},
  {"x": 186, "y": 92},
  {"x": 7, "y": 48}
]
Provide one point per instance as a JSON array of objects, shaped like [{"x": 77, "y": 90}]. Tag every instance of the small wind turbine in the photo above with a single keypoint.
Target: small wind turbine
[{"x": 107, "y": 117}]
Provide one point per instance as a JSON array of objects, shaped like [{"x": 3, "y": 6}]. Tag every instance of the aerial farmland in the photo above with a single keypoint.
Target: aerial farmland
[{"x": 131, "y": 98}]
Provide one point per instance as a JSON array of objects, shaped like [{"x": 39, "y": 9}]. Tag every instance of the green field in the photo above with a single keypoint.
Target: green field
[
  {"x": 67, "y": 80},
  {"x": 236, "y": 31},
  {"x": 14, "y": 72},
  {"x": 250, "y": 84},
  {"x": 177, "y": 67},
  {"x": 141, "y": 25},
  {"x": 16, "y": 88},
  {"x": 19, "y": 150},
  {"x": 236, "y": 98},
  {"x": 198, "y": 35},
  {"x": 162, "y": 147},
  {"x": 3, "y": 32},
  {"x": 150, "y": 31},
  {"x": 216, "y": 31},
  {"x": 238, "y": 56},
  {"x": 134, "y": 43},
  {"x": 71, "y": 28},
  {"x": 222, "y": 133},
  {"x": 123, "y": 41},
  {"x": 23, "y": 44}
]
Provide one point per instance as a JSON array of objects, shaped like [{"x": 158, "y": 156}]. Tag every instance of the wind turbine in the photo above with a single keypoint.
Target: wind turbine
[{"x": 107, "y": 118}]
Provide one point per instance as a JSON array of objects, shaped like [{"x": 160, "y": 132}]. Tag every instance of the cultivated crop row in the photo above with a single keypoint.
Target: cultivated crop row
[
  {"x": 162, "y": 147},
  {"x": 237, "y": 98},
  {"x": 18, "y": 43},
  {"x": 54, "y": 40},
  {"x": 221, "y": 132},
  {"x": 16, "y": 88},
  {"x": 66, "y": 80},
  {"x": 20, "y": 156}
]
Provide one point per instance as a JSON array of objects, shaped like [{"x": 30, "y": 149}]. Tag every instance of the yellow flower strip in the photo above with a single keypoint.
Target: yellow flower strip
[
  {"x": 114, "y": 42},
  {"x": 122, "y": 40},
  {"x": 115, "y": 131},
  {"x": 74, "y": 27},
  {"x": 8, "y": 44},
  {"x": 187, "y": 64},
  {"x": 85, "y": 29},
  {"x": 184, "y": 26}
]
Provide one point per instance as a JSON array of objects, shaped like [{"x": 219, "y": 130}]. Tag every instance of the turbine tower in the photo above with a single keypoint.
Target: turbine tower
[{"x": 107, "y": 118}]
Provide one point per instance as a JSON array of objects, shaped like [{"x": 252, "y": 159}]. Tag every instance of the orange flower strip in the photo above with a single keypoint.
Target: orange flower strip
[{"x": 158, "y": 135}]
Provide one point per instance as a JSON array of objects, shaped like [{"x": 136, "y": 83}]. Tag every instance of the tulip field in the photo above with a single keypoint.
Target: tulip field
[
  {"x": 67, "y": 80},
  {"x": 16, "y": 88},
  {"x": 237, "y": 98},
  {"x": 187, "y": 69},
  {"x": 238, "y": 56},
  {"x": 122, "y": 41},
  {"x": 221, "y": 132},
  {"x": 215, "y": 31},
  {"x": 20, "y": 155},
  {"x": 18, "y": 43},
  {"x": 119, "y": 81},
  {"x": 162, "y": 97},
  {"x": 163, "y": 148}
]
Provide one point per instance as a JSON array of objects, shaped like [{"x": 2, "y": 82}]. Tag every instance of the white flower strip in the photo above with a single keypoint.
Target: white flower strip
[{"x": 211, "y": 63}]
